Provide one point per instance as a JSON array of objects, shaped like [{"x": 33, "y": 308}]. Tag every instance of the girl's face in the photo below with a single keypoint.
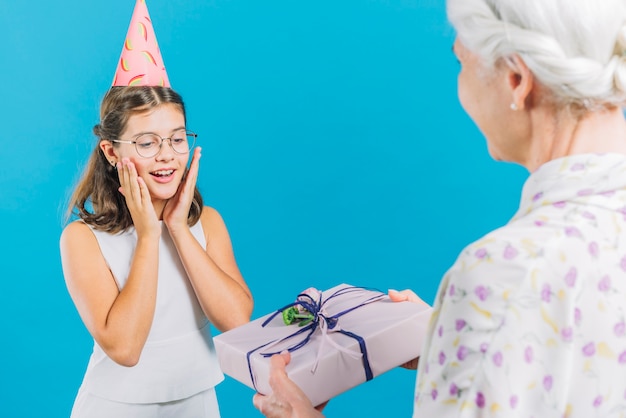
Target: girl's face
[{"x": 164, "y": 171}]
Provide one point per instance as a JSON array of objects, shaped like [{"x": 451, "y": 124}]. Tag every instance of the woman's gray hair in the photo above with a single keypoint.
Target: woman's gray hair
[{"x": 576, "y": 48}]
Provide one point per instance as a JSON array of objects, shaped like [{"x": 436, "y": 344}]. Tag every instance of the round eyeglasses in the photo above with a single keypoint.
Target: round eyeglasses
[{"x": 149, "y": 145}]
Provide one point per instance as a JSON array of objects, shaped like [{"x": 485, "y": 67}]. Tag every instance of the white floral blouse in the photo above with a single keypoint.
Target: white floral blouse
[{"x": 531, "y": 319}]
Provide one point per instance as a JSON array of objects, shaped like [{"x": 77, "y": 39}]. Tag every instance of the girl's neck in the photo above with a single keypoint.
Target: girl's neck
[{"x": 158, "y": 206}]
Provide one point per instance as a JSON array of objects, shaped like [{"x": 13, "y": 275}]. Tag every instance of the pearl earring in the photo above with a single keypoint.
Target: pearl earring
[{"x": 514, "y": 107}]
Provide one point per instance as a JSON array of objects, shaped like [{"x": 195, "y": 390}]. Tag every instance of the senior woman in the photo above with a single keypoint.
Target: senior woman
[{"x": 531, "y": 319}]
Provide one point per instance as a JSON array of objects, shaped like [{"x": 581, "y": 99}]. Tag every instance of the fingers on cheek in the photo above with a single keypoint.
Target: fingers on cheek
[
  {"x": 125, "y": 174},
  {"x": 128, "y": 167}
]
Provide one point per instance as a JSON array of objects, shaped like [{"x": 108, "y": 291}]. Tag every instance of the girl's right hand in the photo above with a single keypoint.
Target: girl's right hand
[{"x": 138, "y": 199}]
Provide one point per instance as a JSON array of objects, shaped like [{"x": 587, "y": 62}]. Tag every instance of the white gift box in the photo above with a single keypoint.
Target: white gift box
[{"x": 329, "y": 362}]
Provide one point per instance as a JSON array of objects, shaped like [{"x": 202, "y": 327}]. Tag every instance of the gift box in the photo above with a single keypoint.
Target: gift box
[{"x": 356, "y": 334}]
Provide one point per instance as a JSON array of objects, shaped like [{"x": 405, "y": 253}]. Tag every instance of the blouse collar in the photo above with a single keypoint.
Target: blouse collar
[{"x": 584, "y": 178}]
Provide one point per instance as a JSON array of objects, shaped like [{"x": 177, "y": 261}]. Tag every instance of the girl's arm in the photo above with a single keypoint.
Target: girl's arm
[
  {"x": 119, "y": 321},
  {"x": 213, "y": 272}
]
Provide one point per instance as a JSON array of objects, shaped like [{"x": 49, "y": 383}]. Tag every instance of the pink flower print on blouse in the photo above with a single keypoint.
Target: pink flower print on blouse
[
  {"x": 462, "y": 353},
  {"x": 585, "y": 192},
  {"x": 537, "y": 196},
  {"x": 460, "y": 324},
  {"x": 434, "y": 394},
  {"x": 559, "y": 205},
  {"x": 622, "y": 359},
  {"x": 622, "y": 263},
  {"x": 528, "y": 354},
  {"x": 578, "y": 167},
  {"x": 578, "y": 316},
  {"x": 481, "y": 253},
  {"x": 597, "y": 401},
  {"x": 570, "y": 277},
  {"x": 484, "y": 347},
  {"x": 452, "y": 290},
  {"x": 482, "y": 292},
  {"x": 480, "y": 400},
  {"x": 619, "y": 329},
  {"x": 593, "y": 248},
  {"x": 605, "y": 284},
  {"x": 546, "y": 293},
  {"x": 440, "y": 331},
  {"x": 513, "y": 401},
  {"x": 572, "y": 231},
  {"x": 497, "y": 359},
  {"x": 566, "y": 334},
  {"x": 509, "y": 252},
  {"x": 589, "y": 215},
  {"x": 547, "y": 383},
  {"x": 442, "y": 358},
  {"x": 454, "y": 390},
  {"x": 589, "y": 349}
]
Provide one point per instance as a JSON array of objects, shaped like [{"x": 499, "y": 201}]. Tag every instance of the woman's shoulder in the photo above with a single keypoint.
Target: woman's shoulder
[
  {"x": 516, "y": 239},
  {"x": 78, "y": 238},
  {"x": 210, "y": 215},
  {"x": 506, "y": 257},
  {"x": 75, "y": 230},
  {"x": 212, "y": 223},
  {"x": 81, "y": 231}
]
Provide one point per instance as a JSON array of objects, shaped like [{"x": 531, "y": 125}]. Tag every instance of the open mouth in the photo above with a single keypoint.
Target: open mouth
[{"x": 162, "y": 173}]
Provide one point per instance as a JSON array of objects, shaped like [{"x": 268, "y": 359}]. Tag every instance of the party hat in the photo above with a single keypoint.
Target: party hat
[{"x": 141, "y": 63}]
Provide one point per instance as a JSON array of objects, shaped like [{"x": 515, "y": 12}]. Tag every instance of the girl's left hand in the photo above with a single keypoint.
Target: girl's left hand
[{"x": 177, "y": 207}]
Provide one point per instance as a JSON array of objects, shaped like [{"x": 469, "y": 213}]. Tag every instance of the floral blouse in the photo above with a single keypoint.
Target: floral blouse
[{"x": 531, "y": 319}]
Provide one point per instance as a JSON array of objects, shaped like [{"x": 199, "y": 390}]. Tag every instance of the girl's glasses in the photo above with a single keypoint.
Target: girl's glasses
[{"x": 149, "y": 145}]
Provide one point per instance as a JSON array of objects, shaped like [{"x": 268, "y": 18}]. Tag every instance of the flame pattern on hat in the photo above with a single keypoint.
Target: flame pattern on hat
[{"x": 141, "y": 63}]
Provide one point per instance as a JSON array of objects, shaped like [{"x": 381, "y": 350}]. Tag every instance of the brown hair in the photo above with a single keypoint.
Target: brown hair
[{"x": 96, "y": 199}]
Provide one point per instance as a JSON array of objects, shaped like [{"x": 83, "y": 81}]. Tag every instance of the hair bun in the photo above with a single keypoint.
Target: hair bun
[
  {"x": 620, "y": 58},
  {"x": 620, "y": 74},
  {"x": 621, "y": 41}
]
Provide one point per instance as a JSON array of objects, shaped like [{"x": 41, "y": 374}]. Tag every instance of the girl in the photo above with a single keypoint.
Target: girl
[{"x": 148, "y": 266}]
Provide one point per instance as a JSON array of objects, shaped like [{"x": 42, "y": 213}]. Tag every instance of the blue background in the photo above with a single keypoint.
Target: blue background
[{"x": 333, "y": 145}]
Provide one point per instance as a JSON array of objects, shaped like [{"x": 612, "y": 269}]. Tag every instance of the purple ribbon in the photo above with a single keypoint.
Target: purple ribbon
[{"x": 316, "y": 308}]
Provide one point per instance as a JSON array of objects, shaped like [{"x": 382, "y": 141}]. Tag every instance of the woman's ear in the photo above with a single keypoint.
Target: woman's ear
[
  {"x": 520, "y": 81},
  {"x": 109, "y": 151}
]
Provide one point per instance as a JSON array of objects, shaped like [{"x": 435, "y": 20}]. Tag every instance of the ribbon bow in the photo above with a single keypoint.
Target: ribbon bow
[{"x": 319, "y": 319}]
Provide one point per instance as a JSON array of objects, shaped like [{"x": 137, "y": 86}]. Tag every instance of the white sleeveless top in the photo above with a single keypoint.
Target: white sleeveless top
[{"x": 178, "y": 359}]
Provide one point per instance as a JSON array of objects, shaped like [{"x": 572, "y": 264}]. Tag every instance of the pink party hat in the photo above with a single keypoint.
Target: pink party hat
[{"x": 141, "y": 63}]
